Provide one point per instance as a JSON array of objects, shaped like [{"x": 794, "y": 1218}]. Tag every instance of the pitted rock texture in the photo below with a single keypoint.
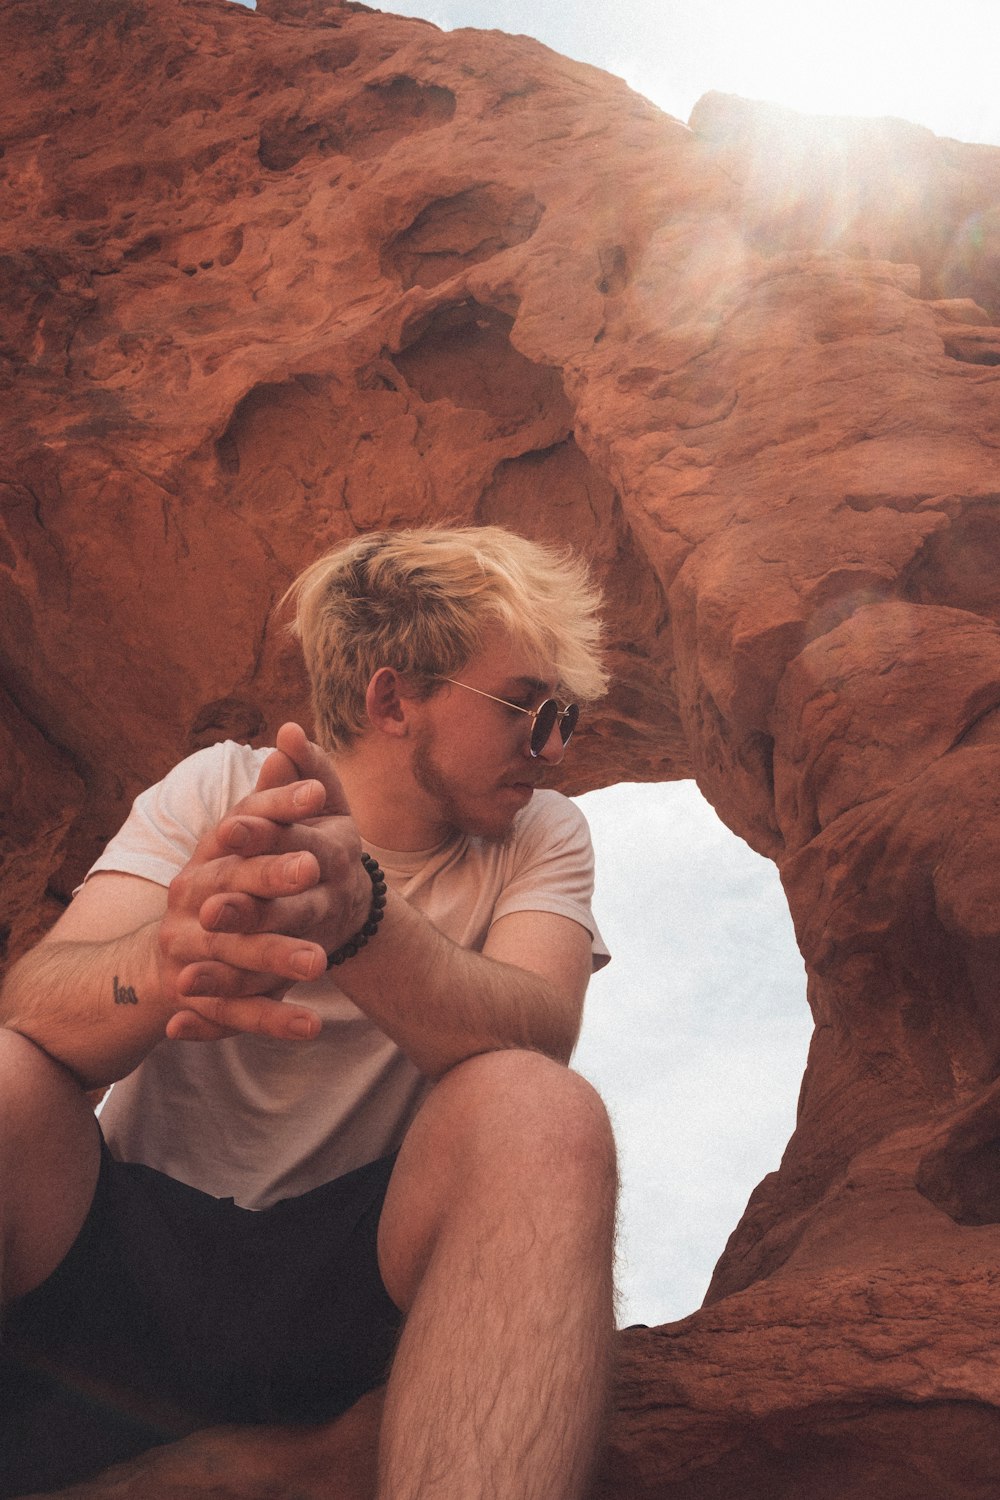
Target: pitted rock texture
[{"x": 273, "y": 278}]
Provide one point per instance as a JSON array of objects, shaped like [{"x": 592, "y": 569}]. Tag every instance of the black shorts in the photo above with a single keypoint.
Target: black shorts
[{"x": 174, "y": 1311}]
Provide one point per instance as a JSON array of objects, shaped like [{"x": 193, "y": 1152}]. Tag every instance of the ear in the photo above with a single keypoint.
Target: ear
[{"x": 389, "y": 702}]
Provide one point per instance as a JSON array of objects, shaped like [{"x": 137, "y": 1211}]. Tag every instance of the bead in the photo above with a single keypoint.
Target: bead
[{"x": 375, "y": 914}]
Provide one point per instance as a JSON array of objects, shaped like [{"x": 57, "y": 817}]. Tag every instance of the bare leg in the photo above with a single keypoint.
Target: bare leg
[
  {"x": 497, "y": 1240},
  {"x": 49, "y": 1160}
]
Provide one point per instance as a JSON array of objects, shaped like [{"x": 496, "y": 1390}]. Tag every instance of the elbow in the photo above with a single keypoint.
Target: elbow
[
  {"x": 563, "y": 1030},
  {"x": 10, "y": 990},
  {"x": 558, "y": 1049}
]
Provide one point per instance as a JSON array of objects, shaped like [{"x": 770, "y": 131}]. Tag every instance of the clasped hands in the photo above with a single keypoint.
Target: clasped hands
[{"x": 275, "y": 886}]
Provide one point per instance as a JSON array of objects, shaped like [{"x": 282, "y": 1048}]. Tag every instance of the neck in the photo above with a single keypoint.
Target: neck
[{"x": 389, "y": 808}]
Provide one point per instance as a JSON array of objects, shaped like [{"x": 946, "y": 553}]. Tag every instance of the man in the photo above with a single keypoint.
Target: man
[{"x": 343, "y": 1110}]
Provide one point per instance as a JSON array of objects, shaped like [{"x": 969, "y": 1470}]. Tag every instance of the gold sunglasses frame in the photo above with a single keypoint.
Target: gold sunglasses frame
[{"x": 533, "y": 713}]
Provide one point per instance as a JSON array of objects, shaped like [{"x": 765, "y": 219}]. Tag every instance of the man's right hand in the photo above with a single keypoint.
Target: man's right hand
[{"x": 265, "y": 895}]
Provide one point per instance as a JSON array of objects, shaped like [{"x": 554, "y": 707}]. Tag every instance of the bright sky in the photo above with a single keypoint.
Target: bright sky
[
  {"x": 695, "y": 1034},
  {"x": 924, "y": 60}
]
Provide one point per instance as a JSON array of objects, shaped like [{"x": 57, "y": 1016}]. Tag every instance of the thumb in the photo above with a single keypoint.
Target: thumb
[
  {"x": 277, "y": 770},
  {"x": 306, "y": 762}
]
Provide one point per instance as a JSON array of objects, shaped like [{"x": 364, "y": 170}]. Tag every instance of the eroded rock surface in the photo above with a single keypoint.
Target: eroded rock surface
[{"x": 271, "y": 278}]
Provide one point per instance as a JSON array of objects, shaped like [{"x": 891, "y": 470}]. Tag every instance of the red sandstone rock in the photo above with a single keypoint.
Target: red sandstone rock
[{"x": 272, "y": 278}]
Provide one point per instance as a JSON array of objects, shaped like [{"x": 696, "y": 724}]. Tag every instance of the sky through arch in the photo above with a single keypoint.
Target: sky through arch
[{"x": 695, "y": 1035}]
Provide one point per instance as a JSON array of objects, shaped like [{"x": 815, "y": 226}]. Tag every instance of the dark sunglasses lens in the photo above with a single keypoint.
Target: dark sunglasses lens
[
  {"x": 568, "y": 722},
  {"x": 545, "y": 718},
  {"x": 542, "y": 727}
]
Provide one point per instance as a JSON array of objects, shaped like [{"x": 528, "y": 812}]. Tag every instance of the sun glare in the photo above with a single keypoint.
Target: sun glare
[{"x": 930, "y": 63}]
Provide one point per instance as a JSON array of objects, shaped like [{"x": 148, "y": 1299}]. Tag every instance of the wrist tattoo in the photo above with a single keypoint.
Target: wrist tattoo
[{"x": 124, "y": 993}]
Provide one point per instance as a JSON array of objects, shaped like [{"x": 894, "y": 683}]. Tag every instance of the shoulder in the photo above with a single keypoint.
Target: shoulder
[
  {"x": 217, "y": 777},
  {"x": 202, "y": 788},
  {"x": 550, "y": 832},
  {"x": 552, "y": 818},
  {"x": 550, "y": 862},
  {"x": 168, "y": 819}
]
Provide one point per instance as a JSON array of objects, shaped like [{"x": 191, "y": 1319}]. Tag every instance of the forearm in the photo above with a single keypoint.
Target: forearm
[
  {"x": 95, "y": 1007},
  {"x": 441, "y": 1003}
]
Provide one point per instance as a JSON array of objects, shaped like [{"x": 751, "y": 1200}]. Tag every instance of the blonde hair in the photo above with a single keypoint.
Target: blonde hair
[{"x": 423, "y": 600}]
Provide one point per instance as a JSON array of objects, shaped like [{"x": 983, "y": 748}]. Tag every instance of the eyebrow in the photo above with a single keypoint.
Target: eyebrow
[{"x": 526, "y": 685}]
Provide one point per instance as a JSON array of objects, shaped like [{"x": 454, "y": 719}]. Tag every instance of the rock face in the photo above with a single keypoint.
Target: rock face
[{"x": 272, "y": 278}]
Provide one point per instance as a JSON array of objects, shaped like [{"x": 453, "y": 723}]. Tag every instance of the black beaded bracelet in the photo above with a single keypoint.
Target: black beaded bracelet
[{"x": 376, "y": 913}]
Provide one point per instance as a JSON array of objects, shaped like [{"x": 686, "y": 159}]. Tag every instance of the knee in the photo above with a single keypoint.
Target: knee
[
  {"x": 522, "y": 1109},
  {"x": 506, "y": 1137},
  {"x": 49, "y": 1161},
  {"x": 34, "y": 1091}
]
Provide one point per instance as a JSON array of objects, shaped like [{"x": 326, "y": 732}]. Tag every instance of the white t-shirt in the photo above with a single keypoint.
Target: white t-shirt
[{"x": 257, "y": 1119}]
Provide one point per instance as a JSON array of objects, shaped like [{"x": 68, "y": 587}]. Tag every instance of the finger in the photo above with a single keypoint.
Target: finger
[
  {"x": 312, "y": 762},
  {"x": 209, "y": 976},
  {"x": 188, "y": 1026},
  {"x": 249, "y": 825},
  {"x": 277, "y": 770},
  {"x": 256, "y": 1014},
  {"x": 286, "y": 804},
  {"x": 333, "y": 842},
  {"x": 250, "y": 836},
  {"x": 265, "y": 875},
  {"x": 240, "y": 965},
  {"x": 236, "y": 911}
]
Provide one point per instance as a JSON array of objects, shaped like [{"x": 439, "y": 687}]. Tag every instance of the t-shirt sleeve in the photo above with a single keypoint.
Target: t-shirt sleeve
[
  {"x": 553, "y": 867},
  {"x": 168, "y": 819}
]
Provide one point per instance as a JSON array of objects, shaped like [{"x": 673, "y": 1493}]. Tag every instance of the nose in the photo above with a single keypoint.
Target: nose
[{"x": 553, "y": 750}]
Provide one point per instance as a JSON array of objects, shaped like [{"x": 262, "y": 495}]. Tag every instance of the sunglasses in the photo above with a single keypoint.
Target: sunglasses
[{"x": 544, "y": 718}]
